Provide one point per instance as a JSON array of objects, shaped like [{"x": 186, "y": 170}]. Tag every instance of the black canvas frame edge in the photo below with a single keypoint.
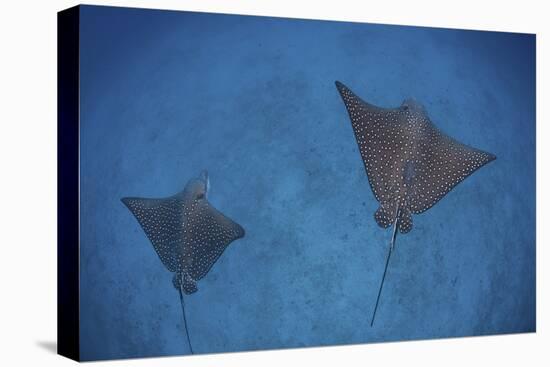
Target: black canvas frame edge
[{"x": 68, "y": 313}]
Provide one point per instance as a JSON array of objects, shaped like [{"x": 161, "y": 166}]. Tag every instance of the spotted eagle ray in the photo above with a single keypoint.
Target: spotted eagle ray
[
  {"x": 187, "y": 232},
  {"x": 410, "y": 164}
]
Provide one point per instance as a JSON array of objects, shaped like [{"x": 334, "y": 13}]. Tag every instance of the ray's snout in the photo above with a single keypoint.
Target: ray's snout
[
  {"x": 206, "y": 181},
  {"x": 203, "y": 176}
]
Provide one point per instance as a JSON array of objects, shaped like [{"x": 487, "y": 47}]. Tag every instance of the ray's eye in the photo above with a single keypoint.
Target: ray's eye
[
  {"x": 200, "y": 196},
  {"x": 405, "y": 108}
]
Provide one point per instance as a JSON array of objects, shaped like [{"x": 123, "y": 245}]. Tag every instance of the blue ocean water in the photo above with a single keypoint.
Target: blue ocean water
[{"x": 252, "y": 99}]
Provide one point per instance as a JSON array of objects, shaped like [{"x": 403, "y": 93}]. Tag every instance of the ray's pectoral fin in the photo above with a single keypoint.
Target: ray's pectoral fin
[
  {"x": 159, "y": 219},
  {"x": 189, "y": 284}
]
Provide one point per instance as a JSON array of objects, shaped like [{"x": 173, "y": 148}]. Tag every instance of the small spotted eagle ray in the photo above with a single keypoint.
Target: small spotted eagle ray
[
  {"x": 187, "y": 232},
  {"x": 410, "y": 164}
]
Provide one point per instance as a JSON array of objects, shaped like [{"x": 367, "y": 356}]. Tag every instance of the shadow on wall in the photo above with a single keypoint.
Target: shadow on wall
[{"x": 48, "y": 345}]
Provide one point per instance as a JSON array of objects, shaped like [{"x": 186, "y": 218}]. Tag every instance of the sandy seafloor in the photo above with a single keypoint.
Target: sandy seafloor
[{"x": 252, "y": 99}]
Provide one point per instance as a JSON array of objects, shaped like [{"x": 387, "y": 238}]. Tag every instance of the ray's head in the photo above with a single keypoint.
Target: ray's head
[
  {"x": 197, "y": 188},
  {"x": 412, "y": 106}
]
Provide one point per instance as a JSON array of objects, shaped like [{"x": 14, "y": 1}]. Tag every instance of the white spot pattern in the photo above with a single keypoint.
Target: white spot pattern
[
  {"x": 187, "y": 232},
  {"x": 410, "y": 164}
]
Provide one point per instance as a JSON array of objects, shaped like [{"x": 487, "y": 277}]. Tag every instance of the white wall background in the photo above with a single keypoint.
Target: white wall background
[{"x": 28, "y": 182}]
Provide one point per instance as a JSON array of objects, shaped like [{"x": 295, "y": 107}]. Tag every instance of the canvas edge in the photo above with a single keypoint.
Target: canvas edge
[{"x": 68, "y": 313}]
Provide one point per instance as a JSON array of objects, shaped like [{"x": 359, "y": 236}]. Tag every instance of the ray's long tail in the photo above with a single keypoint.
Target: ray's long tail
[
  {"x": 185, "y": 320},
  {"x": 390, "y": 250}
]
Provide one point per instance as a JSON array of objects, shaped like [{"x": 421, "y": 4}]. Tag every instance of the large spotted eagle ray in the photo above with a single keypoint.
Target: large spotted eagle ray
[
  {"x": 410, "y": 164},
  {"x": 187, "y": 232}
]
